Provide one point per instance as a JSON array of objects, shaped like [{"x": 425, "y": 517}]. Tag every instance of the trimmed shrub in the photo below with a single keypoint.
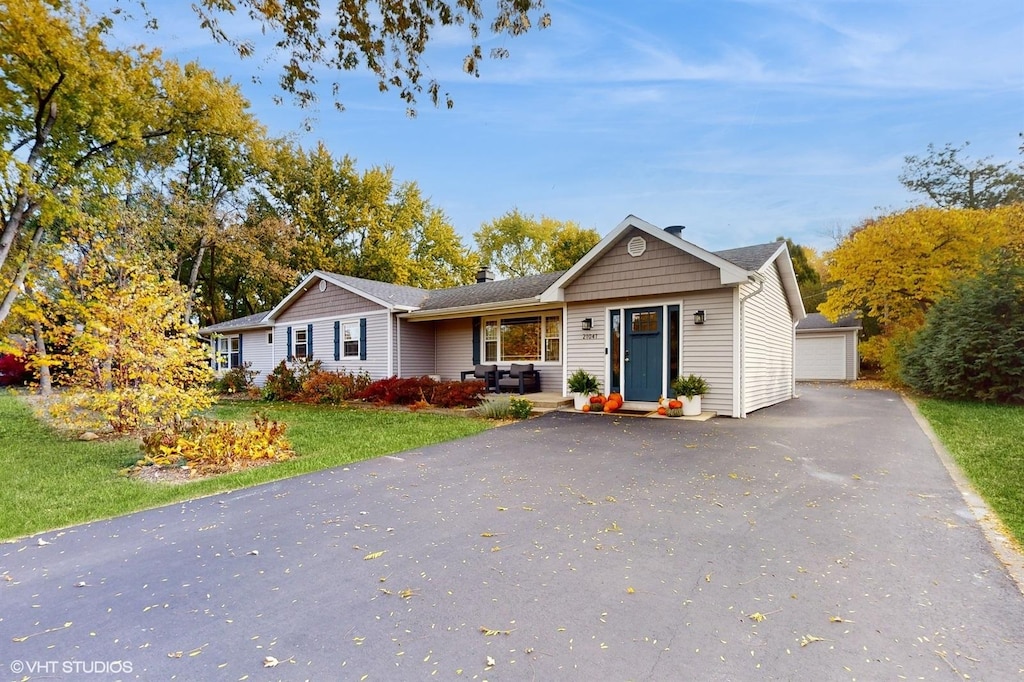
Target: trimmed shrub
[
  {"x": 972, "y": 343},
  {"x": 457, "y": 393},
  {"x": 520, "y": 408},
  {"x": 281, "y": 384},
  {"x": 331, "y": 388},
  {"x": 236, "y": 380},
  {"x": 421, "y": 391}
]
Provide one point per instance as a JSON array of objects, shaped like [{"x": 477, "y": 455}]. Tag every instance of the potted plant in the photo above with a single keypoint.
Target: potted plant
[
  {"x": 583, "y": 384},
  {"x": 689, "y": 390}
]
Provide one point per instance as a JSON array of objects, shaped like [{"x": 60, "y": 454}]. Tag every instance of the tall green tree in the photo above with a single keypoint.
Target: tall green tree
[
  {"x": 951, "y": 179},
  {"x": 517, "y": 244},
  {"x": 970, "y": 346},
  {"x": 360, "y": 223}
]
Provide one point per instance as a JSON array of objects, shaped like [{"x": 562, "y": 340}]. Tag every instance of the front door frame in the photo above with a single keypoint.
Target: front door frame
[
  {"x": 664, "y": 305},
  {"x": 643, "y": 354}
]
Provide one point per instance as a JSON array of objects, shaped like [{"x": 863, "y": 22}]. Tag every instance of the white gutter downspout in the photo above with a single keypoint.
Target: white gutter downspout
[
  {"x": 398, "y": 338},
  {"x": 757, "y": 278},
  {"x": 391, "y": 345}
]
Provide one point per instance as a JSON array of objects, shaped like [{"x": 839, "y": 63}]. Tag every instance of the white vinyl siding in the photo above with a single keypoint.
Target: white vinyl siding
[
  {"x": 376, "y": 363},
  {"x": 454, "y": 352},
  {"x": 586, "y": 354},
  {"x": 766, "y": 344},
  {"x": 708, "y": 348},
  {"x": 417, "y": 349},
  {"x": 258, "y": 354}
]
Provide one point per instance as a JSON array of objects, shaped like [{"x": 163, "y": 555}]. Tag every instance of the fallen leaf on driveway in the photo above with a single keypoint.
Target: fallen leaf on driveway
[
  {"x": 808, "y": 639},
  {"x": 374, "y": 555}
]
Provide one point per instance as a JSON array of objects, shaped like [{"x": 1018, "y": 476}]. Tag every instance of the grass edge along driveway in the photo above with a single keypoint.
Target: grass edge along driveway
[
  {"x": 51, "y": 481},
  {"x": 987, "y": 443}
]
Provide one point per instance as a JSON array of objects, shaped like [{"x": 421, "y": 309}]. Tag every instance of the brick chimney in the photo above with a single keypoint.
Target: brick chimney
[{"x": 484, "y": 274}]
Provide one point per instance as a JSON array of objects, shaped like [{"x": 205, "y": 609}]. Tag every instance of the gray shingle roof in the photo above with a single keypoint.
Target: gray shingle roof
[
  {"x": 819, "y": 321},
  {"x": 482, "y": 293},
  {"x": 750, "y": 257},
  {"x": 247, "y": 322},
  {"x": 396, "y": 294}
]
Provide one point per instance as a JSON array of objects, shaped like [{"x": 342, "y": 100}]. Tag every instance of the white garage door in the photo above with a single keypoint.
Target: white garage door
[{"x": 820, "y": 358}]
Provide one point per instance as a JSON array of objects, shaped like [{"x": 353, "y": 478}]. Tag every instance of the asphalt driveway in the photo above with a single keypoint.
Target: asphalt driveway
[{"x": 821, "y": 539}]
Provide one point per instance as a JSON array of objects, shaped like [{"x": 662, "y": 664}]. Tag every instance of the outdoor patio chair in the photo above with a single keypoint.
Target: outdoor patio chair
[
  {"x": 523, "y": 378},
  {"x": 486, "y": 373}
]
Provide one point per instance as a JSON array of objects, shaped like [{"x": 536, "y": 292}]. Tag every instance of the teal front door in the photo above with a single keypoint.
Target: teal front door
[{"x": 644, "y": 354}]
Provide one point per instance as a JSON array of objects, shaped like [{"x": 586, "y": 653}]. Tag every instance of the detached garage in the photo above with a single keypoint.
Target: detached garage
[{"x": 827, "y": 351}]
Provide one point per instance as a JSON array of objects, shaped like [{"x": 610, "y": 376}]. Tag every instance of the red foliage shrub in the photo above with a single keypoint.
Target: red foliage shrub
[
  {"x": 457, "y": 393},
  {"x": 410, "y": 390},
  {"x": 323, "y": 387},
  {"x": 13, "y": 371}
]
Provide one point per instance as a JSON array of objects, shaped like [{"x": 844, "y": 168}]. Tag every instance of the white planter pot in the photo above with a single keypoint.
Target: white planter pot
[
  {"x": 691, "y": 406},
  {"x": 580, "y": 399}
]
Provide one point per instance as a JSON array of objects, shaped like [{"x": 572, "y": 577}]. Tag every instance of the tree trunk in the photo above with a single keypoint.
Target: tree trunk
[
  {"x": 45, "y": 381},
  {"x": 19, "y": 279}
]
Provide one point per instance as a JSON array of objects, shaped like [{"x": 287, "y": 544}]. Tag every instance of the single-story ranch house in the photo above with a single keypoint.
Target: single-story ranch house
[{"x": 640, "y": 308}]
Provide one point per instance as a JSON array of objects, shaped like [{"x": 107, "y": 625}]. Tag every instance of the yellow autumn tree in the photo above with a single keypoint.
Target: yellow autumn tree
[
  {"x": 894, "y": 268},
  {"x": 130, "y": 357}
]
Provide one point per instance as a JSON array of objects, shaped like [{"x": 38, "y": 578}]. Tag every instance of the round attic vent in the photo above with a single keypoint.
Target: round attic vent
[
  {"x": 636, "y": 247},
  {"x": 323, "y": 285}
]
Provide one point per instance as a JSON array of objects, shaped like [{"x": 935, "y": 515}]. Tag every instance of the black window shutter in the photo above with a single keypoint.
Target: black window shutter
[
  {"x": 309, "y": 341},
  {"x": 240, "y": 361},
  {"x": 337, "y": 340},
  {"x": 476, "y": 340},
  {"x": 289, "y": 355},
  {"x": 362, "y": 338}
]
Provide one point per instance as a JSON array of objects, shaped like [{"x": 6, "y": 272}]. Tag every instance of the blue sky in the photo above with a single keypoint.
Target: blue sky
[{"x": 741, "y": 120}]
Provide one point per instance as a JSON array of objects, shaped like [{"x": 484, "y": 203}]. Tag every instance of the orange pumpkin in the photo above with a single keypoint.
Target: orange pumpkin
[
  {"x": 586, "y": 408},
  {"x": 675, "y": 404},
  {"x": 597, "y": 400},
  {"x": 616, "y": 404},
  {"x": 662, "y": 411},
  {"x": 609, "y": 407},
  {"x": 615, "y": 396}
]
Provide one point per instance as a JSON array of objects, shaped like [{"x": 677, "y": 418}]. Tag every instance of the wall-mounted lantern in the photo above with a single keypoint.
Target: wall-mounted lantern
[
  {"x": 588, "y": 324},
  {"x": 699, "y": 317}
]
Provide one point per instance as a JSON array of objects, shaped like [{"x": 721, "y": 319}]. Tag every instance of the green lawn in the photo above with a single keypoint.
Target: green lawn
[
  {"x": 50, "y": 481},
  {"x": 987, "y": 442}
]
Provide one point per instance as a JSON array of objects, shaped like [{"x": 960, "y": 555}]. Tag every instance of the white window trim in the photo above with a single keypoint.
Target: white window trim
[
  {"x": 542, "y": 351},
  {"x": 344, "y": 351},
  {"x": 296, "y": 343}
]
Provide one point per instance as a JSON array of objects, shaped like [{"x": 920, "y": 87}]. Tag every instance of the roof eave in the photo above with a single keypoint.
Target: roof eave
[
  {"x": 303, "y": 287},
  {"x": 462, "y": 311}
]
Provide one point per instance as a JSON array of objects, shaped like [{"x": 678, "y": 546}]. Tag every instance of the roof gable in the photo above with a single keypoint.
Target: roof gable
[
  {"x": 388, "y": 296},
  {"x": 730, "y": 273}
]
